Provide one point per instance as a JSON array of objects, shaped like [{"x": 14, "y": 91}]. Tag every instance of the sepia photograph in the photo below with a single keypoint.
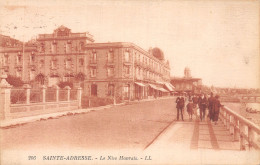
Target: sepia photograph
[{"x": 129, "y": 82}]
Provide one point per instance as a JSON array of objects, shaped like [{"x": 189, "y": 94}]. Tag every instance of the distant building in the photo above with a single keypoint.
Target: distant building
[
  {"x": 127, "y": 69},
  {"x": 17, "y": 59},
  {"x": 61, "y": 55},
  {"x": 187, "y": 83},
  {"x": 108, "y": 69}
]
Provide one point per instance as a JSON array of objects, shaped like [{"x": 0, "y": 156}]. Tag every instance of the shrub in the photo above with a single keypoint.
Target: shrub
[
  {"x": 14, "y": 81},
  {"x": 65, "y": 83},
  {"x": 95, "y": 101}
]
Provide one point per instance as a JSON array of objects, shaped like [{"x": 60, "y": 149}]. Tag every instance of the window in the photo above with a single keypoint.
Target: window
[
  {"x": 19, "y": 59},
  {"x": 42, "y": 47},
  {"x": 94, "y": 58},
  {"x": 127, "y": 56},
  {"x": 41, "y": 64},
  {"x": 63, "y": 33},
  {"x": 94, "y": 90},
  {"x": 127, "y": 70},
  {"x": 53, "y": 48},
  {"x": 68, "y": 48},
  {"x": 126, "y": 91},
  {"x": 110, "y": 72},
  {"x": 6, "y": 59},
  {"x": 141, "y": 73},
  {"x": 81, "y": 62},
  {"x": 32, "y": 58},
  {"x": 110, "y": 57},
  {"x": 111, "y": 88},
  {"x": 81, "y": 46},
  {"x": 68, "y": 63},
  {"x": 53, "y": 64},
  {"x": 93, "y": 72},
  {"x": 32, "y": 75}
]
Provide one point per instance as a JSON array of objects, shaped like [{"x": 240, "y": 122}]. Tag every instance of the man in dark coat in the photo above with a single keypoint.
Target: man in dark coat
[
  {"x": 210, "y": 106},
  {"x": 216, "y": 109},
  {"x": 179, "y": 106},
  {"x": 203, "y": 105}
]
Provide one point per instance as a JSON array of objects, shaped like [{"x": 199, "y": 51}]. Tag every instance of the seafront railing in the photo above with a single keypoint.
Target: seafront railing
[{"x": 242, "y": 129}]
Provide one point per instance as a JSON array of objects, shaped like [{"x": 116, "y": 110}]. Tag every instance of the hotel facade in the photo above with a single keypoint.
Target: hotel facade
[{"x": 113, "y": 69}]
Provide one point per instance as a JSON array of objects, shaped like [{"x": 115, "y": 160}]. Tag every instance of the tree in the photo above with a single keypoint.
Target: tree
[
  {"x": 65, "y": 83},
  {"x": 14, "y": 81},
  {"x": 40, "y": 78},
  {"x": 80, "y": 76}
]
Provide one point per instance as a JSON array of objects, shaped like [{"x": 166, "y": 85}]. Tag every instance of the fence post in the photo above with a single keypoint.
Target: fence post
[
  {"x": 5, "y": 101},
  {"x": 43, "y": 93},
  {"x": 231, "y": 125},
  {"x": 57, "y": 92},
  {"x": 236, "y": 132},
  {"x": 227, "y": 121},
  {"x": 242, "y": 139},
  {"x": 251, "y": 137},
  {"x": 68, "y": 92},
  {"x": 27, "y": 87},
  {"x": 225, "y": 118},
  {"x": 79, "y": 94}
]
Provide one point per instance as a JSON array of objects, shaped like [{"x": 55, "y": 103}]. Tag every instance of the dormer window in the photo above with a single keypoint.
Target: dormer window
[
  {"x": 81, "y": 46},
  {"x": 6, "y": 59},
  {"x": 32, "y": 58},
  {"x": 127, "y": 56},
  {"x": 94, "y": 57},
  {"x": 110, "y": 57},
  {"x": 19, "y": 58},
  {"x": 62, "y": 33}
]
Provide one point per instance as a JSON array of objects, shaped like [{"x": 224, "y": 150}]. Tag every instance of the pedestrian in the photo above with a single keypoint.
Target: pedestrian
[
  {"x": 190, "y": 109},
  {"x": 210, "y": 106},
  {"x": 179, "y": 106},
  {"x": 203, "y": 105},
  {"x": 195, "y": 105},
  {"x": 216, "y": 109}
]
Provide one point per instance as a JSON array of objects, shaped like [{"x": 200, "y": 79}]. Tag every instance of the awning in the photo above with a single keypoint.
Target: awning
[
  {"x": 153, "y": 86},
  {"x": 159, "y": 82},
  {"x": 163, "y": 90},
  {"x": 140, "y": 84},
  {"x": 169, "y": 87}
]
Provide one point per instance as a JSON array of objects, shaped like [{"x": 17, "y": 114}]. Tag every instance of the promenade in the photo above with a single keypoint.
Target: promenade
[{"x": 146, "y": 127}]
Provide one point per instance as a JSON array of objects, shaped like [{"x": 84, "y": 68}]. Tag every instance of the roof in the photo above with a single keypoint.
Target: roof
[{"x": 124, "y": 44}]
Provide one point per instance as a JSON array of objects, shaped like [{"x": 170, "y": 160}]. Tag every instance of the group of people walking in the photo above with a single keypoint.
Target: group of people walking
[{"x": 197, "y": 105}]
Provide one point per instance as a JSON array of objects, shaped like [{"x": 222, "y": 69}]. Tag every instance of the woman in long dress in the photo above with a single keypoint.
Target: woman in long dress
[{"x": 216, "y": 109}]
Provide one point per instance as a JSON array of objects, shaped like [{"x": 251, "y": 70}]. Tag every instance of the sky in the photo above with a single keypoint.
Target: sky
[{"x": 218, "y": 40}]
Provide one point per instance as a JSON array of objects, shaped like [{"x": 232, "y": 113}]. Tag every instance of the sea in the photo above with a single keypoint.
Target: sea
[{"x": 240, "y": 108}]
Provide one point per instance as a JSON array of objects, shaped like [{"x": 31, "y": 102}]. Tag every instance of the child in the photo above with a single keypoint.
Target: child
[{"x": 190, "y": 109}]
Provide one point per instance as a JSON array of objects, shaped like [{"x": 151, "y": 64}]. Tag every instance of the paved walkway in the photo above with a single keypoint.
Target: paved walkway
[
  {"x": 195, "y": 142},
  {"x": 196, "y": 135}
]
